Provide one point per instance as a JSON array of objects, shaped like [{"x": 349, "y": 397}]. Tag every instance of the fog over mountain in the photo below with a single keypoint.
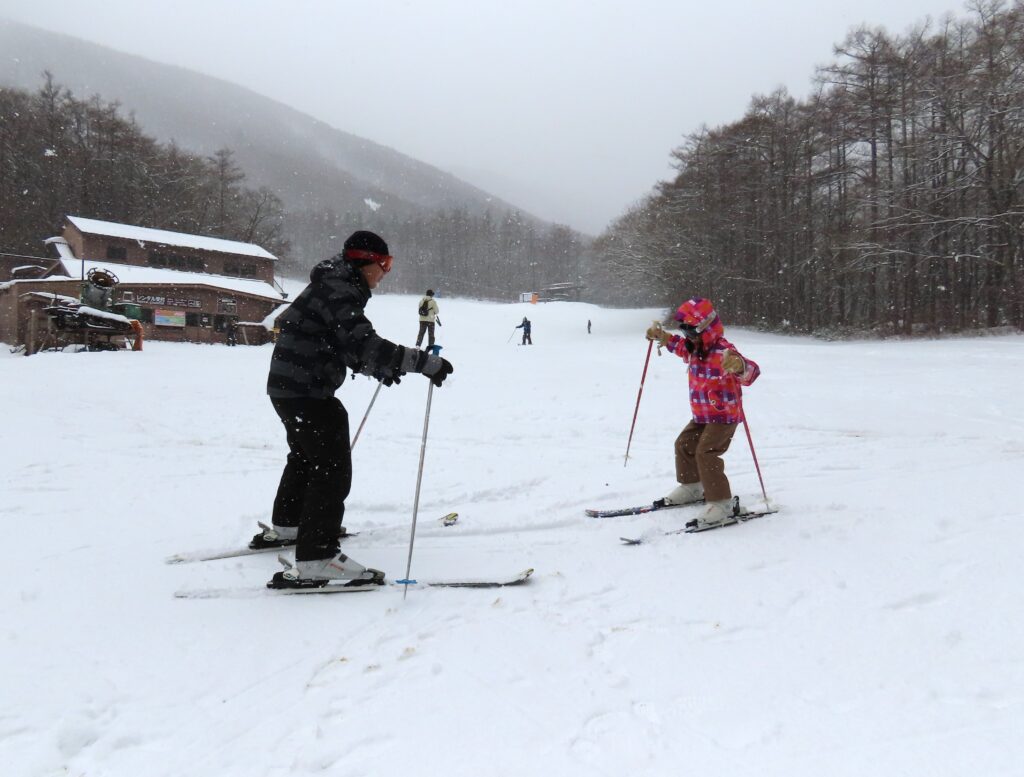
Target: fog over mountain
[{"x": 307, "y": 163}]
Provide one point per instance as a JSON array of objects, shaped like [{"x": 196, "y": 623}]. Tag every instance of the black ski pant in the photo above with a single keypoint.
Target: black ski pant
[
  {"x": 318, "y": 475},
  {"x": 426, "y": 327}
]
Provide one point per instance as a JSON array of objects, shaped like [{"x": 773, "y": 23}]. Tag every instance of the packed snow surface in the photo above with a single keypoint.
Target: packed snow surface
[{"x": 872, "y": 626}]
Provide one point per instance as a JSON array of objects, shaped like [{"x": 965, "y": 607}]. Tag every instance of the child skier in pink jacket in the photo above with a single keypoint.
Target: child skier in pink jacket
[{"x": 717, "y": 372}]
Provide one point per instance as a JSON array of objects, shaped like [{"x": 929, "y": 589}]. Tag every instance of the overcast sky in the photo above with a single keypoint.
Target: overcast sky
[{"x": 568, "y": 108}]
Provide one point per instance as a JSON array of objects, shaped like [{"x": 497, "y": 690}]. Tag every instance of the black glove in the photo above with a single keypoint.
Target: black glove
[
  {"x": 437, "y": 369},
  {"x": 392, "y": 372}
]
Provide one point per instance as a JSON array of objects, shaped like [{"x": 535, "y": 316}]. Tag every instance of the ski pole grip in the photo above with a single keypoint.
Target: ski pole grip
[{"x": 658, "y": 324}]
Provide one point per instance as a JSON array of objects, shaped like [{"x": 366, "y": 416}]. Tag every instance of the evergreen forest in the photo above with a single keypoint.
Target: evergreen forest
[{"x": 889, "y": 200}]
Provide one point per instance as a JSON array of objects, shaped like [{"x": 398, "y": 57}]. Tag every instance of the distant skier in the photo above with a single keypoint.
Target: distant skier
[
  {"x": 231, "y": 332},
  {"x": 322, "y": 332},
  {"x": 588, "y": 326},
  {"x": 716, "y": 373},
  {"x": 428, "y": 312},
  {"x": 525, "y": 326}
]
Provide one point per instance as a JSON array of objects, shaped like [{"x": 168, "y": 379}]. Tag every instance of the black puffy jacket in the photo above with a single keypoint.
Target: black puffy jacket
[{"x": 324, "y": 331}]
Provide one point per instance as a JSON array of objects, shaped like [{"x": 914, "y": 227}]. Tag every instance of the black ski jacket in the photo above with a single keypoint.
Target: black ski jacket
[{"x": 324, "y": 331}]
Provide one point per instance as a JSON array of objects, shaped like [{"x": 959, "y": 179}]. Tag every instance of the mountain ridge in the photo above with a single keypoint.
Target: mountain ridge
[{"x": 308, "y": 163}]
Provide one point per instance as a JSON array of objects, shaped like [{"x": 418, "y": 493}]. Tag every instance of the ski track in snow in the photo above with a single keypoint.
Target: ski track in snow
[{"x": 867, "y": 628}]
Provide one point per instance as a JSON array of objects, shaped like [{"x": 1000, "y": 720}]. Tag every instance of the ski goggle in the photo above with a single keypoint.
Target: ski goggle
[
  {"x": 693, "y": 331},
  {"x": 381, "y": 260},
  {"x": 689, "y": 332}
]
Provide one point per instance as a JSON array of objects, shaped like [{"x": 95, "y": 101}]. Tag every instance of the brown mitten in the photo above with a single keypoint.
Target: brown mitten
[
  {"x": 656, "y": 333},
  {"x": 733, "y": 363}
]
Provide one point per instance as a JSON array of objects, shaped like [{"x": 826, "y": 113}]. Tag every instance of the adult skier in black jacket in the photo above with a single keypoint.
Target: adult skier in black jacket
[{"x": 323, "y": 333}]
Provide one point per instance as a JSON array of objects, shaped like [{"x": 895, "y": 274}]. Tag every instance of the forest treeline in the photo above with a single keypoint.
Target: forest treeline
[
  {"x": 63, "y": 156},
  {"x": 888, "y": 200},
  {"x": 457, "y": 252},
  {"x": 60, "y": 155}
]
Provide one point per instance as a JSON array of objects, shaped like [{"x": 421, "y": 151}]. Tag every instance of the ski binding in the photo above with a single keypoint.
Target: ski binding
[{"x": 692, "y": 527}]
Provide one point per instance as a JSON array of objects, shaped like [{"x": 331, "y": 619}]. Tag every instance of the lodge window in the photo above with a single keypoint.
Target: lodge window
[
  {"x": 227, "y": 305},
  {"x": 117, "y": 253},
  {"x": 174, "y": 261},
  {"x": 191, "y": 319},
  {"x": 146, "y": 315},
  {"x": 240, "y": 269}
]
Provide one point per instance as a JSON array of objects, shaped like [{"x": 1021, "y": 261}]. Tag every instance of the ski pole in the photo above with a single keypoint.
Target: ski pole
[
  {"x": 650, "y": 344},
  {"x": 366, "y": 414},
  {"x": 750, "y": 442},
  {"x": 511, "y": 336},
  {"x": 416, "y": 501}
]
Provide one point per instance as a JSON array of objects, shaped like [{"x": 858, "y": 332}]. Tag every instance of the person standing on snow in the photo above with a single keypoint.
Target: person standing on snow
[
  {"x": 716, "y": 373},
  {"x": 428, "y": 311},
  {"x": 323, "y": 332},
  {"x": 525, "y": 326}
]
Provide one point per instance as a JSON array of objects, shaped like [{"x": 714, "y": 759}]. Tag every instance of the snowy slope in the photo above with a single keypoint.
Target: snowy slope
[{"x": 871, "y": 627}]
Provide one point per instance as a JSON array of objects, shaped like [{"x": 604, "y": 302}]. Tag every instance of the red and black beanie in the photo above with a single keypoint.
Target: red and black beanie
[{"x": 361, "y": 243}]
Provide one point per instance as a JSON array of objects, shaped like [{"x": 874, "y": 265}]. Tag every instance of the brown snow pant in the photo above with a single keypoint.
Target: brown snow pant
[{"x": 699, "y": 449}]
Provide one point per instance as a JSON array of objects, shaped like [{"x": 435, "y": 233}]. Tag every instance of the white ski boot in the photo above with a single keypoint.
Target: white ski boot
[
  {"x": 715, "y": 514},
  {"x": 274, "y": 537},
  {"x": 339, "y": 570},
  {"x": 685, "y": 494}
]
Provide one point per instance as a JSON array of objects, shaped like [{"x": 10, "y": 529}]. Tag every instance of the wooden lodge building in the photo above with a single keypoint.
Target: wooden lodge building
[{"x": 181, "y": 287}]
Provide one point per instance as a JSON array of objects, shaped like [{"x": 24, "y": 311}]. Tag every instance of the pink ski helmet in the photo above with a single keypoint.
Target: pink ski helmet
[{"x": 695, "y": 316}]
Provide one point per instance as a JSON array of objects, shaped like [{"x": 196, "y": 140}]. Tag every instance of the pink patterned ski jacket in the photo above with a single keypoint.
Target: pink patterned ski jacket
[{"x": 716, "y": 396}]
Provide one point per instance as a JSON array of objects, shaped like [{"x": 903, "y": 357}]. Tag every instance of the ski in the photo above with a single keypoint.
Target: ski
[
  {"x": 519, "y": 579},
  {"x": 258, "y": 593},
  {"x": 234, "y": 552},
  {"x": 337, "y": 588},
  {"x": 691, "y": 527},
  {"x": 658, "y": 504}
]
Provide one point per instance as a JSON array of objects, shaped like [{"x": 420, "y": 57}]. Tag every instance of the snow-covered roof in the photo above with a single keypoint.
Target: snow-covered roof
[
  {"x": 163, "y": 237},
  {"x": 129, "y": 273},
  {"x": 63, "y": 249},
  {"x": 271, "y": 319},
  {"x": 51, "y": 298}
]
